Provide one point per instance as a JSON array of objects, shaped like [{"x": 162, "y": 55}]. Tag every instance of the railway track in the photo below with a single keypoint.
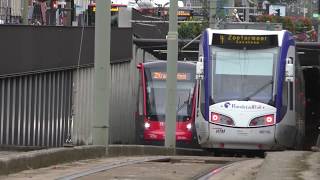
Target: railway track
[{"x": 158, "y": 167}]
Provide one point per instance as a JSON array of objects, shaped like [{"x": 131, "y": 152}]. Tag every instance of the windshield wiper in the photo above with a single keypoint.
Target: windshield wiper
[
  {"x": 184, "y": 103},
  {"x": 257, "y": 91}
]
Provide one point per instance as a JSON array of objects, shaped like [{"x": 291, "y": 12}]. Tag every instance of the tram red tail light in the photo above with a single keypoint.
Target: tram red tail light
[
  {"x": 221, "y": 119},
  {"x": 215, "y": 118},
  {"x": 266, "y": 120},
  {"x": 269, "y": 120}
]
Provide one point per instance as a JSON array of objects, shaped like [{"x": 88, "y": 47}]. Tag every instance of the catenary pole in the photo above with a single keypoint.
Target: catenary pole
[
  {"x": 102, "y": 73},
  {"x": 172, "y": 58}
]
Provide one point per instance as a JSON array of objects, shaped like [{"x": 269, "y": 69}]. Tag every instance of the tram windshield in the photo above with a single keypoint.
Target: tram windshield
[
  {"x": 240, "y": 74},
  {"x": 156, "y": 94}
]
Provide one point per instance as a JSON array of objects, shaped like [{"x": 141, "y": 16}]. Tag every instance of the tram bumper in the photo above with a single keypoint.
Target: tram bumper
[
  {"x": 159, "y": 135},
  {"x": 259, "y": 138}
]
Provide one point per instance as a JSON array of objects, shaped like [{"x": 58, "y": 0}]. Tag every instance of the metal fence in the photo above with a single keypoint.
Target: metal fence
[
  {"x": 10, "y": 11},
  {"x": 49, "y": 109},
  {"x": 5, "y": 15},
  {"x": 123, "y": 101},
  {"x": 35, "y": 109},
  {"x": 82, "y": 106}
]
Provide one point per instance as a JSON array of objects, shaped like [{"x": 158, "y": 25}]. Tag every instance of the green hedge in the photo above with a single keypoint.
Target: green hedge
[
  {"x": 292, "y": 24},
  {"x": 190, "y": 30}
]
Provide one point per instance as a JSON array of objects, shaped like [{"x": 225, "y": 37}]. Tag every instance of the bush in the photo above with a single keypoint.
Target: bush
[
  {"x": 288, "y": 24},
  {"x": 292, "y": 24},
  {"x": 189, "y": 30}
]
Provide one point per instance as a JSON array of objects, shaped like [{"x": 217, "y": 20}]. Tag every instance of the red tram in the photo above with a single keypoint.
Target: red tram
[{"x": 150, "y": 125}]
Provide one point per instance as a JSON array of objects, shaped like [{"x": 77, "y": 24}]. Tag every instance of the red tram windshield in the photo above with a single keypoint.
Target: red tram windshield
[{"x": 155, "y": 79}]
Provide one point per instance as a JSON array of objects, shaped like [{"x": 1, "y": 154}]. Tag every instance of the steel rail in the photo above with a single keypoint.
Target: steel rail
[
  {"x": 112, "y": 166},
  {"x": 212, "y": 172}
]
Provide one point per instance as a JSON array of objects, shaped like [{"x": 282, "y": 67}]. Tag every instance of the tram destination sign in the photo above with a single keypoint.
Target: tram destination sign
[
  {"x": 248, "y": 41},
  {"x": 163, "y": 76}
]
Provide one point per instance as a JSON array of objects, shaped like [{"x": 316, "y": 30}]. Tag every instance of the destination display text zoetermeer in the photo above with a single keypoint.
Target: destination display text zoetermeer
[{"x": 249, "y": 41}]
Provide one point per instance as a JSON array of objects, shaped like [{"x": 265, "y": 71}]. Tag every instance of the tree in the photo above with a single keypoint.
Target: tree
[{"x": 188, "y": 30}]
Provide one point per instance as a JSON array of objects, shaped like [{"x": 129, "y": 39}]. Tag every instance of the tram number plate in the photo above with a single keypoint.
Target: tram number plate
[{"x": 220, "y": 131}]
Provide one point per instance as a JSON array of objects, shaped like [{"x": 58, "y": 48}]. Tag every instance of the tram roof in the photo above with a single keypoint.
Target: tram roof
[
  {"x": 246, "y": 31},
  {"x": 159, "y": 63},
  {"x": 309, "y": 51},
  {"x": 187, "y": 49}
]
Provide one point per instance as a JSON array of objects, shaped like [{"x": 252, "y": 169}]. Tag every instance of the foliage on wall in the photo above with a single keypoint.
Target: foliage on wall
[
  {"x": 189, "y": 30},
  {"x": 300, "y": 27}
]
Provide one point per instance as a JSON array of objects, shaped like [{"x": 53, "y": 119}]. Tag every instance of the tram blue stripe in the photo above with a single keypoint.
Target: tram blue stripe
[
  {"x": 287, "y": 41},
  {"x": 206, "y": 73}
]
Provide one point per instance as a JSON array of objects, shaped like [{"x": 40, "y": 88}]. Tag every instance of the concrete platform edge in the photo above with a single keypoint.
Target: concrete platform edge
[
  {"x": 48, "y": 157},
  {"x": 136, "y": 150}
]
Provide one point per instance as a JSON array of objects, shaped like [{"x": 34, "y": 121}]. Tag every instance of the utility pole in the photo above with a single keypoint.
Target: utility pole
[
  {"x": 102, "y": 73},
  {"x": 171, "y": 82},
  {"x": 25, "y": 12},
  {"x": 212, "y": 13}
]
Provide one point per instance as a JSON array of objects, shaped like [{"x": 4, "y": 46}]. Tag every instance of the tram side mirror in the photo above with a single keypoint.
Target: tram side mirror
[
  {"x": 199, "y": 70},
  {"x": 289, "y": 70},
  {"x": 139, "y": 66}
]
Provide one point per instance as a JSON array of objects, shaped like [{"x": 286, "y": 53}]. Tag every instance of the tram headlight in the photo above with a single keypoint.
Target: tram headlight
[
  {"x": 266, "y": 120},
  {"x": 189, "y": 126},
  {"x": 221, "y": 119},
  {"x": 146, "y": 125}
]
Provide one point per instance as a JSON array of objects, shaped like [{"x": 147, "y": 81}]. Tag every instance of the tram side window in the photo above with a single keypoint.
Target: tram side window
[
  {"x": 284, "y": 99},
  {"x": 202, "y": 98}
]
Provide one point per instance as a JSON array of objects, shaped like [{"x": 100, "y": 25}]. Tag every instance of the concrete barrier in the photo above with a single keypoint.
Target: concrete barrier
[
  {"x": 46, "y": 157},
  {"x": 135, "y": 150},
  {"x": 19, "y": 161}
]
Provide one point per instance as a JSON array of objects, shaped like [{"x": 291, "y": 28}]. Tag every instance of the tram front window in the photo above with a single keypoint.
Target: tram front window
[
  {"x": 156, "y": 96},
  {"x": 239, "y": 74}
]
